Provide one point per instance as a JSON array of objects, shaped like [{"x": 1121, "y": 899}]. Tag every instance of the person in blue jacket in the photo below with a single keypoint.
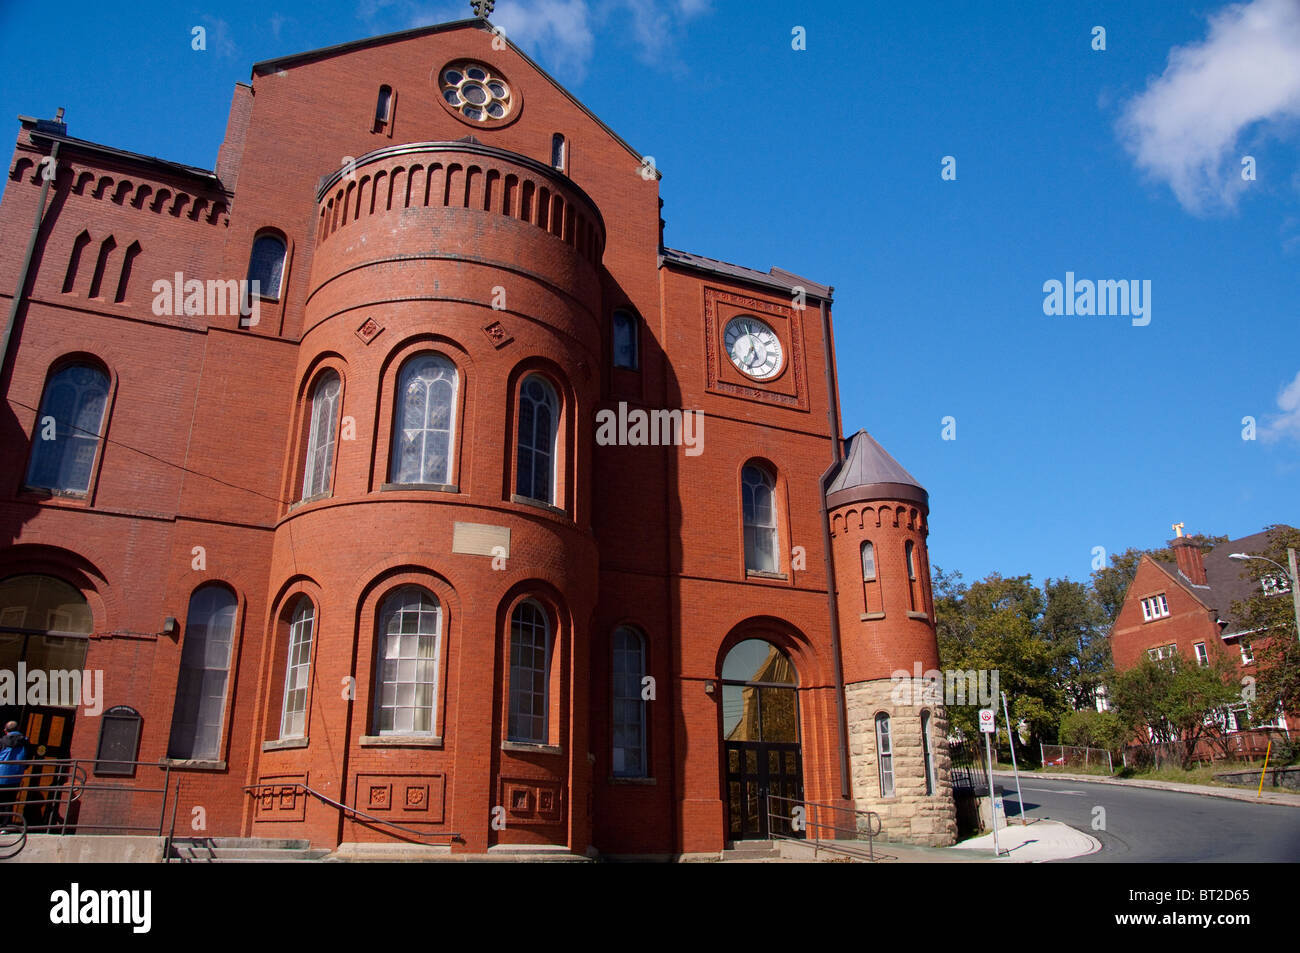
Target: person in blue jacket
[{"x": 13, "y": 752}]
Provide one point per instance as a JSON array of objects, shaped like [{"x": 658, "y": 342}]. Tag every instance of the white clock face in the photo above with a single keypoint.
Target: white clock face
[{"x": 753, "y": 347}]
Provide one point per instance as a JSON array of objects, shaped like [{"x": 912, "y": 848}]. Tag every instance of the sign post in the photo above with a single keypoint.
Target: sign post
[
  {"x": 988, "y": 725},
  {"x": 1020, "y": 798}
]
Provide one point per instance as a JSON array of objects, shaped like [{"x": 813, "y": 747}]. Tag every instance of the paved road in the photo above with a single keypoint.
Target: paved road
[{"x": 1145, "y": 825}]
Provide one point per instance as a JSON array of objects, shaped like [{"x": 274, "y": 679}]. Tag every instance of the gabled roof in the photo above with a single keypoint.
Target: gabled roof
[
  {"x": 778, "y": 278},
  {"x": 870, "y": 473},
  {"x": 325, "y": 52},
  {"x": 1226, "y": 579}
]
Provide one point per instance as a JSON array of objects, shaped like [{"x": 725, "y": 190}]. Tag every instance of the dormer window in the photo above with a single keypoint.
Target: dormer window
[
  {"x": 1154, "y": 607},
  {"x": 1274, "y": 583}
]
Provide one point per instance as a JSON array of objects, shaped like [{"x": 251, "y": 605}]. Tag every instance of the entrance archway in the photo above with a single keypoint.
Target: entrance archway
[{"x": 760, "y": 738}]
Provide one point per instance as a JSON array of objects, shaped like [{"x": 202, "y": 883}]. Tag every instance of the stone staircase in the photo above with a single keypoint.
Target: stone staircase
[
  {"x": 243, "y": 850},
  {"x": 751, "y": 852}
]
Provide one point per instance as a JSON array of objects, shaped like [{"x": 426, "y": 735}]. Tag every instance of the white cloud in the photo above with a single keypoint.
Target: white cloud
[
  {"x": 1287, "y": 423},
  {"x": 560, "y": 34},
  {"x": 1186, "y": 128},
  {"x": 557, "y": 32}
]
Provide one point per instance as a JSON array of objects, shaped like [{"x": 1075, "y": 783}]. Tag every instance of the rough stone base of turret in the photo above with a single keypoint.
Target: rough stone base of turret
[{"x": 911, "y": 815}]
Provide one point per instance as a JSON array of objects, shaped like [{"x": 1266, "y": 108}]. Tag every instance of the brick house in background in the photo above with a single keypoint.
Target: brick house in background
[
  {"x": 365, "y": 543},
  {"x": 1185, "y": 606}
]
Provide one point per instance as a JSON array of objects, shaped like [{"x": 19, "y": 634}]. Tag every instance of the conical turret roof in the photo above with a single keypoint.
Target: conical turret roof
[{"x": 870, "y": 473}]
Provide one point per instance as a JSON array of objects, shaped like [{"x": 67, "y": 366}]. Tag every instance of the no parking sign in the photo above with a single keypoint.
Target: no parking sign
[{"x": 986, "y": 721}]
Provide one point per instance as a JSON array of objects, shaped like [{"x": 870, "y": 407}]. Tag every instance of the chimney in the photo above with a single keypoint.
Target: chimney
[{"x": 1191, "y": 561}]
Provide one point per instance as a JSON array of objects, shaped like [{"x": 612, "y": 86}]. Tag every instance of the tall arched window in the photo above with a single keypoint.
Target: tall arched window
[
  {"x": 266, "y": 265},
  {"x": 629, "y": 706},
  {"x": 530, "y": 643},
  {"x": 557, "y": 151},
  {"x": 758, "y": 492},
  {"x": 205, "y": 669},
  {"x": 383, "y": 104},
  {"x": 68, "y": 428},
  {"x": 625, "y": 340},
  {"x": 869, "y": 577},
  {"x": 406, "y": 670},
  {"x": 320, "y": 443},
  {"x": 909, "y": 550},
  {"x": 423, "y": 420},
  {"x": 927, "y": 749},
  {"x": 885, "y": 755},
  {"x": 539, "y": 414},
  {"x": 297, "y": 668}
]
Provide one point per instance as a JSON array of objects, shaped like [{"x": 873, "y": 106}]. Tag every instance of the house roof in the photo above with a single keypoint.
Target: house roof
[
  {"x": 870, "y": 473},
  {"x": 777, "y": 278},
  {"x": 1226, "y": 579}
]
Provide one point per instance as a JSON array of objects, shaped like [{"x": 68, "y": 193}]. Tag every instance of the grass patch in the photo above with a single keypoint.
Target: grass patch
[{"x": 1197, "y": 774}]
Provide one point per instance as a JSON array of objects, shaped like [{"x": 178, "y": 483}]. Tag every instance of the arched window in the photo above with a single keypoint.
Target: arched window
[
  {"x": 539, "y": 414},
  {"x": 68, "y": 429},
  {"x": 557, "y": 151},
  {"x": 382, "y": 105},
  {"x": 423, "y": 419},
  {"x": 406, "y": 672},
  {"x": 44, "y": 622},
  {"x": 885, "y": 755},
  {"x": 625, "y": 340},
  {"x": 266, "y": 265},
  {"x": 927, "y": 749},
  {"x": 297, "y": 668},
  {"x": 320, "y": 443},
  {"x": 759, "y": 504},
  {"x": 204, "y": 672},
  {"x": 629, "y": 706},
  {"x": 530, "y": 644},
  {"x": 909, "y": 550},
  {"x": 869, "y": 578}
]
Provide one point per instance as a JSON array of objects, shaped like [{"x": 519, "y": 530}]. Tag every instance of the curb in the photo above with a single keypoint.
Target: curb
[{"x": 1282, "y": 800}]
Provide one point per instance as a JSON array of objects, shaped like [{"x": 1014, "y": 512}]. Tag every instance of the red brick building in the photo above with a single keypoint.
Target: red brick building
[
  {"x": 484, "y": 515},
  {"x": 1185, "y": 607}
]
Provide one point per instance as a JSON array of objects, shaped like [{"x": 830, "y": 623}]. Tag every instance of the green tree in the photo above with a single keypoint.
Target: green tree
[
  {"x": 1078, "y": 644},
  {"x": 1277, "y": 651},
  {"x": 1176, "y": 700},
  {"x": 994, "y": 625},
  {"x": 1090, "y": 728}
]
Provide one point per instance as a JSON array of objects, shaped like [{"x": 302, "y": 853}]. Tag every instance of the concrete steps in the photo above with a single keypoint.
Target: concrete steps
[
  {"x": 243, "y": 850},
  {"x": 751, "y": 851}
]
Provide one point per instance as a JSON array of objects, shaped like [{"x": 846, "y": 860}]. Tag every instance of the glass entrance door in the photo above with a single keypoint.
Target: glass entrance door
[{"x": 763, "y": 769}]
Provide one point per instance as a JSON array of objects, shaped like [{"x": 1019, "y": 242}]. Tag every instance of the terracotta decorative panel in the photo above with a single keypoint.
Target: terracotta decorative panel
[
  {"x": 406, "y": 798},
  {"x": 280, "y": 799},
  {"x": 530, "y": 801}
]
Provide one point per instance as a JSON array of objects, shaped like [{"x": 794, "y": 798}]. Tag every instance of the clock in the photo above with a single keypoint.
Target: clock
[{"x": 753, "y": 347}]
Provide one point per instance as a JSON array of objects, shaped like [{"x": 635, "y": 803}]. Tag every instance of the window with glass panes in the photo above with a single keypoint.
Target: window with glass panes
[
  {"x": 629, "y": 707},
  {"x": 410, "y": 626}
]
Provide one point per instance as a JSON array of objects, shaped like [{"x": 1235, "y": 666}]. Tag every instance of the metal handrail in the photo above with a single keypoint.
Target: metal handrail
[
  {"x": 61, "y": 783},
  {"x": 325, "y": 798},
  {"x": 872, "y": 829},
  {"x": 13, "y": 848}
]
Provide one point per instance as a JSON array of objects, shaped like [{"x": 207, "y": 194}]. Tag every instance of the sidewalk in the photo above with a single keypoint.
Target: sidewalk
[
  {"x": 1039, "y": 841},
  {"x": 1234, "y": 794}
]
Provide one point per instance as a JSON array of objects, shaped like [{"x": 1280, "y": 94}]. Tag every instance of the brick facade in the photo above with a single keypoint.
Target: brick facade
[{"x": 403, "y": 237}]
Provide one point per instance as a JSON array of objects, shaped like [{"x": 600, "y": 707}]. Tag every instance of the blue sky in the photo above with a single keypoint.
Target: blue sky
[{"x": 1071, "y": 431}]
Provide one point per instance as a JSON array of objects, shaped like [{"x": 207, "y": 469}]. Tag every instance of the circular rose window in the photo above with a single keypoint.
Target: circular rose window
[{"x": 476, "y": 92}]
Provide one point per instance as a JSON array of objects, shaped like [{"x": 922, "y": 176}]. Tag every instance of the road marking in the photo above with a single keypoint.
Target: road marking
[{"x": 1055, "y": 791}]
